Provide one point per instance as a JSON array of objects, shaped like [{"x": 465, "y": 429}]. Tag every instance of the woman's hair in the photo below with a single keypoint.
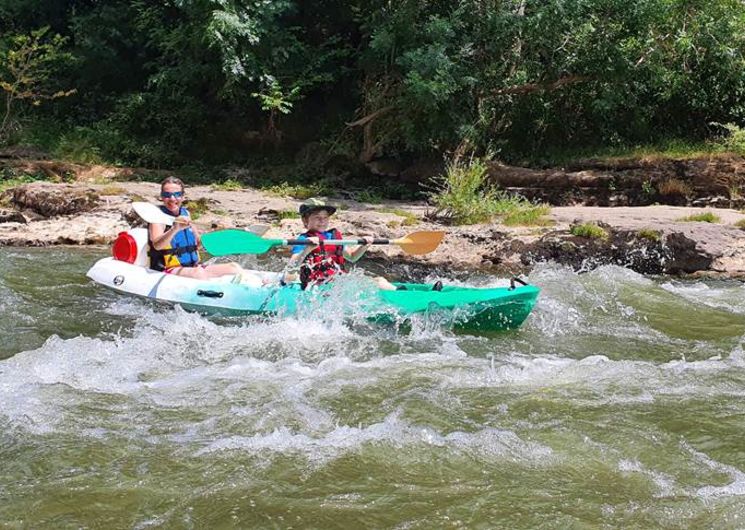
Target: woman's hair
[{"x": 172, "y": 180}]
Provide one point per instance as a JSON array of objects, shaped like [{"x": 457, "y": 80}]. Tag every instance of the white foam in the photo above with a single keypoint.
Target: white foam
[
  {"x": 726, "y": 296},
  {"x": 392, "y": 431},
  {"x": 734, "y": 488},
  {"x": 664, "y": 482}
]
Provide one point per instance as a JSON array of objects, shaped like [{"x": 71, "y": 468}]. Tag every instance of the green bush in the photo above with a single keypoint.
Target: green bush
[
  {"x": 649, "y": 234},
  {"x": 464, "y": 196},
  {"x": 734, "y": 139},
  {"x": 589, "y": 230},
  {"x": 369, "y": 196},
  {"x": 79, "y": 145},
  {"x": 706, "y": 217},
  {"x": 11, "y": 179}
]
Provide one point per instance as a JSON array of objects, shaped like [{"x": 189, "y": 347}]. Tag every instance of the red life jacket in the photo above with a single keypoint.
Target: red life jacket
[{"x": 321, "y": 264}]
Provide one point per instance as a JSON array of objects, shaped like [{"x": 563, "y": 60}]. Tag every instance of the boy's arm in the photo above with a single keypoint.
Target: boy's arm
[
  {"x": 358, "y": 252},
  {"x": 297, "y": 258}
]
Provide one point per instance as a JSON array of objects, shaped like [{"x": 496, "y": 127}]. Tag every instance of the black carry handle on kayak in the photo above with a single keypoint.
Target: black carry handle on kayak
[
  {"x": 514, "y": 280},
  {"x": 210, "y": 294}
]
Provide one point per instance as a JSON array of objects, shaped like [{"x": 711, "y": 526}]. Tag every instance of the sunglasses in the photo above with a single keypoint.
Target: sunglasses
[{"x": 169, "y": 194}]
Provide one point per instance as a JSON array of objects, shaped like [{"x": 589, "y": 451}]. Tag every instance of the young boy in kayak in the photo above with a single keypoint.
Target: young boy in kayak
[
  {"x": 318, "y": 263},
  {"x": 174, "y": 250}
]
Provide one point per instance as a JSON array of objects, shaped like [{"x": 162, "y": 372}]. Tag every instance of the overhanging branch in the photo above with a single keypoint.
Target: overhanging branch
[
  {"x": 529, "y": 88},
  {"x": 370, "y": 117}
]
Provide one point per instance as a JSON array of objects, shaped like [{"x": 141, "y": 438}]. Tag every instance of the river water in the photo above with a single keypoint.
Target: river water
[{"x": 619, "y": 404}]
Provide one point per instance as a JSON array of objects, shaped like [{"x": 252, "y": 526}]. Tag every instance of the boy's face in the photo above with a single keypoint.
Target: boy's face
[{"x": 318, "y": 221}]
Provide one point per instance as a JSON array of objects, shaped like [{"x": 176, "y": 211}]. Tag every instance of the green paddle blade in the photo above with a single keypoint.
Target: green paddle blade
[{"x": 231, "y": 241}]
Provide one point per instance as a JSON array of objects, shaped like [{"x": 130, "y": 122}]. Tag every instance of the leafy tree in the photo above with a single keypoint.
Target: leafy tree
[
  {"x": 26, "y": 68},
  {"x": 164, "y": 83}
]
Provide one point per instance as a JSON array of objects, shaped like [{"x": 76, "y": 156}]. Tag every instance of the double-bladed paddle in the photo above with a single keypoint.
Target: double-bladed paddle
[
  {"x": 224, "y": 242},
  {"x": 150, "y": 213}
]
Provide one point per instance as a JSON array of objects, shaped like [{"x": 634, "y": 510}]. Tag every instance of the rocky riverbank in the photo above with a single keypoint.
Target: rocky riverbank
[{"x": 649, "y": 239}]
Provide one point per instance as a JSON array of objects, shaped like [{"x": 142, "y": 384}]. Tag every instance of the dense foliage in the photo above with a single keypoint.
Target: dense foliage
[{"x": 163, "y": 83}]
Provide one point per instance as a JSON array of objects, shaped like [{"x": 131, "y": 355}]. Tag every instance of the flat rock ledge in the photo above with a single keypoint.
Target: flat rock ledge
[{"x": 648, "y": 239}]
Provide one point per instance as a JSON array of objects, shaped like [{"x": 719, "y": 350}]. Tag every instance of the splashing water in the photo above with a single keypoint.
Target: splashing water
[{"x": 619, "y": 403}]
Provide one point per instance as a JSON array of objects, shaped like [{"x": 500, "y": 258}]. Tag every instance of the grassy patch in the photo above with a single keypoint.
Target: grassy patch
[
  {"x": 197, "y": 208},
  {"x": 674, "y": 187},
  {"x": 732, "y": 140},
  {"x": 740, "y": 224},
  {"x": 649, "y": 234},
  {"x": 522, "y": 212},
  {"x": 706, "y": 217},
  {"x": 409, "y": 219},
  {"x": 369, "y": 196},
  {"x": 668, "y": 148},
  {"x": 227, "y": 185},
  {"x": 288, "y": 214},
  {"x": 299, "y": 191},
  {"x": 112, "y": 190},
  {"x": 589, "y": 230},
  {"x": 11, "y": 179}
]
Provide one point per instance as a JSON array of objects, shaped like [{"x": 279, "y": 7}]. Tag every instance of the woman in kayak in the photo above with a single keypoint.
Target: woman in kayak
[
  {"x": 318, "y": 263},
  {"x": 174, "y": 250}
]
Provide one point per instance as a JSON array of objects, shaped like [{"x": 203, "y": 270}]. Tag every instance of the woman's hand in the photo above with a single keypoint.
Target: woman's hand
[{"x": 181, "y": 223}]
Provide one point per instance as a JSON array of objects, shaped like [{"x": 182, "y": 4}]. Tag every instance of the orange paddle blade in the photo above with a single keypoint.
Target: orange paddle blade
[{"x": 418, "y": 243}]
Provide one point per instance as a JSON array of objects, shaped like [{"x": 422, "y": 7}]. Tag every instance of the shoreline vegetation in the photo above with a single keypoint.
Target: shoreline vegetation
[{"x": 331, "y": 92}]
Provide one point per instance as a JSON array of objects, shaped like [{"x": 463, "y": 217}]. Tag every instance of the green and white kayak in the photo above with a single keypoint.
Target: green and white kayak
[{"x": 485, "y": 309}]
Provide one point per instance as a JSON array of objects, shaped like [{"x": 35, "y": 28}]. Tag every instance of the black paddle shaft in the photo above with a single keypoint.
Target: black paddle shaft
[{"x": 358, "y": 241}]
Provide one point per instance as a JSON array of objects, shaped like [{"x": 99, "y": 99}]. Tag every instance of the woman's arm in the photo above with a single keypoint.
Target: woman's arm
[{"x": 160, "y": 237}]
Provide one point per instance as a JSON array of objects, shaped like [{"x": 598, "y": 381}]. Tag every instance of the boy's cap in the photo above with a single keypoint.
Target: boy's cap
[{"x": 314, "y": 204}]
